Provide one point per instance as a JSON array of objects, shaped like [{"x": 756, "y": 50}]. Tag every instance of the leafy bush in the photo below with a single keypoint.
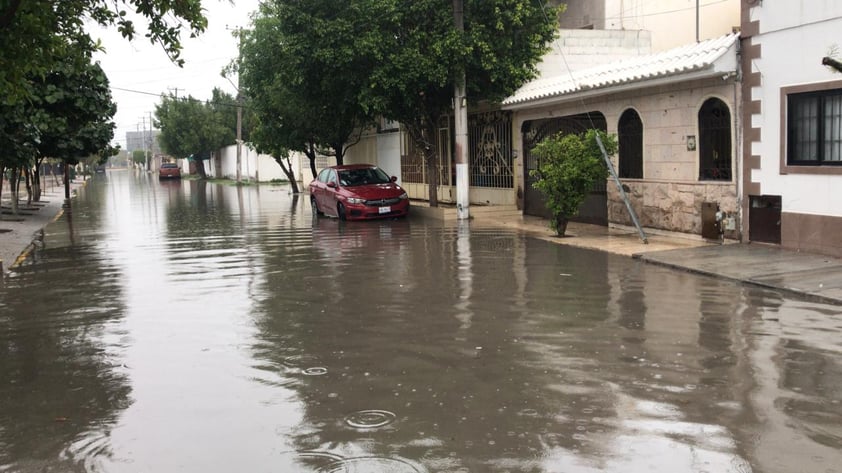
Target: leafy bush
[{"x": 569, "y": 167}]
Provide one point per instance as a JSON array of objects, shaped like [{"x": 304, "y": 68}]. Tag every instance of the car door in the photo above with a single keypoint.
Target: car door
[
  {"x": 317, "y": 190},
  {"x": 331, "y": 193}
]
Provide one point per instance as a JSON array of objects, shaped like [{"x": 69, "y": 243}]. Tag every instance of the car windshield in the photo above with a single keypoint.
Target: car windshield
[
  {"x": 168, "y": 165},
  {"x": 363, "y": 176}
]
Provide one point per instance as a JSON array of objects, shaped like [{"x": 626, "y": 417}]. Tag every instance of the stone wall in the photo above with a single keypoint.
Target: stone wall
[{"x": 672, "y": 206}]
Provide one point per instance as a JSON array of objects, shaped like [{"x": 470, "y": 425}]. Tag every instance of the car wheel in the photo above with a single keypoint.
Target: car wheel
[
  {"x": 340, "y": 211},
  {"x": 315, "y": 207}
]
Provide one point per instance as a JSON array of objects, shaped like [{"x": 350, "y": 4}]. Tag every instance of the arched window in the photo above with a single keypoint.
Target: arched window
[
  {"x": 714, "y": 141},
  {"x": 630, "y": 136}
]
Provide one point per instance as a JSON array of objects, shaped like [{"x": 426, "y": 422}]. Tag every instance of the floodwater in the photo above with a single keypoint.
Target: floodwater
[{"x": 196, "y": 327}]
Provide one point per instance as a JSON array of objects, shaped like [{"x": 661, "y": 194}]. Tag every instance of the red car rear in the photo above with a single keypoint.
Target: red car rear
[
  {"x": 357, "y": 192},
  {"x": 169, "y": 171}
]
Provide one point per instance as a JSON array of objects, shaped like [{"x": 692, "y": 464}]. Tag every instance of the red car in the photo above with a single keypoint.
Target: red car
[
  {"x": 357, "y": 192},
  {"x": 169, "y": 171}
]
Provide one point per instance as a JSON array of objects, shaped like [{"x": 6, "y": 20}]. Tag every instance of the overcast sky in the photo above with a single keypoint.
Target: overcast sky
[{"x": 140, "y": 71}]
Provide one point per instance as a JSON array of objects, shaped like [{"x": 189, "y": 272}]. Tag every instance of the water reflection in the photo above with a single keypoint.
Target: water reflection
[
  {"x": 62, "y": 364},
  {"x": 222, "y": 328}
]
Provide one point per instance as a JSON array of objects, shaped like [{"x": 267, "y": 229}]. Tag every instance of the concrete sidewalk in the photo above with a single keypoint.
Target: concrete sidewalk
[
  {"x": 17, "y": 232},
  {"x": 812, "y": 276}
]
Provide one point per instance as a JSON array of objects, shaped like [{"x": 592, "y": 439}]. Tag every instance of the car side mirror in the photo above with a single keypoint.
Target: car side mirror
[
  {"x": 331, "y": 184},
  {"x": 394, "y": 179}
]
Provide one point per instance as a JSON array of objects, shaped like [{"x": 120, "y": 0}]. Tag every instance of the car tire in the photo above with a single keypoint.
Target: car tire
[
  {"x": 340, "y": 211},
  {"x": 315, "y": 207}
]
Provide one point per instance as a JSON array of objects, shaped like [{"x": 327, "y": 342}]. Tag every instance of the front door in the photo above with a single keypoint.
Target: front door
[{"x": 595, "y": 208}]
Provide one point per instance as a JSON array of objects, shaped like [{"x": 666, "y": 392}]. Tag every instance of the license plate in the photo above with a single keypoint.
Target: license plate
[{"x": 385, "y": 210}]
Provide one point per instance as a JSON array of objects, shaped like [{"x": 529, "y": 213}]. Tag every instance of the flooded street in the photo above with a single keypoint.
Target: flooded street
[{"x": 198, "y": 327}]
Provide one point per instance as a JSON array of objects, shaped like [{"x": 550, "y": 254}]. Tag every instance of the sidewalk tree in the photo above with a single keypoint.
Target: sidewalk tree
[
  {"x": 569, "y": 165},
  {"x": 67, "y": 116},
  {"x": 302, "y": 65},
  {"x": 190, "y": 127},
  {"x": 36, "y": 33},
  {"x": 415, "y": 53}
]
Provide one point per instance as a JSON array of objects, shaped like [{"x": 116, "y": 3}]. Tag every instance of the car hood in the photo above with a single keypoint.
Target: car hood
[{"x": 375, "y": 191}]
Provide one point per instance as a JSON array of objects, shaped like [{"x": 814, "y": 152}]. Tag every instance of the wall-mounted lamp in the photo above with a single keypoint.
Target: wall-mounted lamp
[{"x": 691, "y": 142}]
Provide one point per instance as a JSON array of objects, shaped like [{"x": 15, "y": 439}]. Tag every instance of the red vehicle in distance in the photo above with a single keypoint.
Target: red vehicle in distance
[
  {"x": 357, "y": 192},
  {"x": 169, "y": 171}
]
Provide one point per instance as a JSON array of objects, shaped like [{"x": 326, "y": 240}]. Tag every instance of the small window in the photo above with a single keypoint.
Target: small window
[
  {"x": 630, "y": 136},
  {"x": 814, "y": 128},
  {"x": 714, "y": 141}
]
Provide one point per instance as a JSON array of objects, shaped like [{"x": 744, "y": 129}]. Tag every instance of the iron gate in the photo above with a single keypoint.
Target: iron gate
[{"x": 595, "y": 208}]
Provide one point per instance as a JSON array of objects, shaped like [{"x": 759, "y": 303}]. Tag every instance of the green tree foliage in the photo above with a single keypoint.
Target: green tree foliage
[
  {"x": 36, "y": 33},
  {"x": 569, "y": 167},
  {"x": 192, "y": 128},
  {"x": 68, "y": 115},
  {"x": 419, "y": 53},
  {"x": 139, "y": 156},
  {"x": 323, "y": 68},
  {"x": 302, "y": 65}
]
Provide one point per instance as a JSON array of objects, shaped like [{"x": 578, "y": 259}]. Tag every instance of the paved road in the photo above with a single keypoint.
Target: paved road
[{"x": 816, "y": 277}]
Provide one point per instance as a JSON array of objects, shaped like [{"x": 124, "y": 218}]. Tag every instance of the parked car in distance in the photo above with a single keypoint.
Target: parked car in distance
[
  {"x": 169, "y": 171},
  {"x": 99, "y": 169},
  {"x": 357, "y": 192}
]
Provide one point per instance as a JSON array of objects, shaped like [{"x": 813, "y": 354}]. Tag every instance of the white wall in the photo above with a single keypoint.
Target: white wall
[
  {"x": 673, "y": 22},
  {"x": 253, "y": 166},
  {"x": 792, "y": 56}
]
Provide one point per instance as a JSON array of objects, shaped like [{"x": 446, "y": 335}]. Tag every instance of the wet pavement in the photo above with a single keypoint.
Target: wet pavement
[{"x": 186, "y": 326}]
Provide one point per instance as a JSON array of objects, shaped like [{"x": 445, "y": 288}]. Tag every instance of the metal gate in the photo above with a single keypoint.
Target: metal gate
[
  {"x": 595, "y": 208},
  {"x": 764, "y": 218}
]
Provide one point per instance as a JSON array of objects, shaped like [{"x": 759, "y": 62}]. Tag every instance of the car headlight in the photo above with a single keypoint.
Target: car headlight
[
  {"x": 403, "y": 196},
  {"x": 355, "y": 200}
]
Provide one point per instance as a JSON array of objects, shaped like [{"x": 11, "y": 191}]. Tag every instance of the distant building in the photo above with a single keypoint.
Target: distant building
[{"x": 143, "y": 140}]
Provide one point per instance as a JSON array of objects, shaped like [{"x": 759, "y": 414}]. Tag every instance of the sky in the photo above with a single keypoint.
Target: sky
[{"x": 139, "y": 72}]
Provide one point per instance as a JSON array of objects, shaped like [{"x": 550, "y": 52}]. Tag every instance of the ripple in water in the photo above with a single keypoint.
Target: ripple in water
[
  {"x": 315, "y": 371},
  {"x": 373, "y": 465},
  {"x": 370, "y": 419}
]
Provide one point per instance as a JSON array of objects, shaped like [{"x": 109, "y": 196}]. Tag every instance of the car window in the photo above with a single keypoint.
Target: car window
[
  {"x": 363, "y": 176},
  {"x": 169, "y": 165},
  {"x": 323, "y": 175},
  {"x": 331, "y": 177}
]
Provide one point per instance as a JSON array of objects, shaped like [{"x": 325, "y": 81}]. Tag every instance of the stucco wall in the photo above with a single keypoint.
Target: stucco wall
[{"x": 792, "y": 56}]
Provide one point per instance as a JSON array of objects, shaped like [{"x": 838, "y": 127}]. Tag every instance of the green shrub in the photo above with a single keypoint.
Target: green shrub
[{"x": 569, "y": 167}]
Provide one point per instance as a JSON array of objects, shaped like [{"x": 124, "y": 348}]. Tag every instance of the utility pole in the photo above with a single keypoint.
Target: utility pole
[
  {"x": 460, "y": 112},
  {"x": 151, "y": 138},
  {"x": 239, "y": 133},
  {"x": 143, "y": 139}
]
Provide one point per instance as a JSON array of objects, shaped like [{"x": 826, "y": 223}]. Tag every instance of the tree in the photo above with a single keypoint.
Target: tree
[
  {"x": 191, "y": 128},
  {"x": 67, "y": 117},
  {"x": 569, "y": 167},
  {"x": 415, "y": 53},
  {"x": 36, "y": 33},
  {"x": 302, "y": 66}
]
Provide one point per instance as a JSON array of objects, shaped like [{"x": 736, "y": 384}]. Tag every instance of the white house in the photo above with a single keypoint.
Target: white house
[{"x": 792, "y": 151}]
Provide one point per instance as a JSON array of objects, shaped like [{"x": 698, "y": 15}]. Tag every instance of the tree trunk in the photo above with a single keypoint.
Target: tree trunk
[
  {"x": 66, "y": 184},
  {"x": 311, "y": 156},
  {"x": 287, "y": 168},
  {"x": 28, "y": 176},
  {"x": 14, "y": 190},
  {"x": 2, "y": 178},
  {"x": 36, "y": 181},
  {"x": 200, "y": 168},
  {"x": 420, "y": 133},
  {"x": 340, "y": 155},
  {"x": 560, "y": 225}
]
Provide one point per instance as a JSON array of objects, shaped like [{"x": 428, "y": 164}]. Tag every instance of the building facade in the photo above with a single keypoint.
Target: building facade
[{"x": 792, "y": 151}]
